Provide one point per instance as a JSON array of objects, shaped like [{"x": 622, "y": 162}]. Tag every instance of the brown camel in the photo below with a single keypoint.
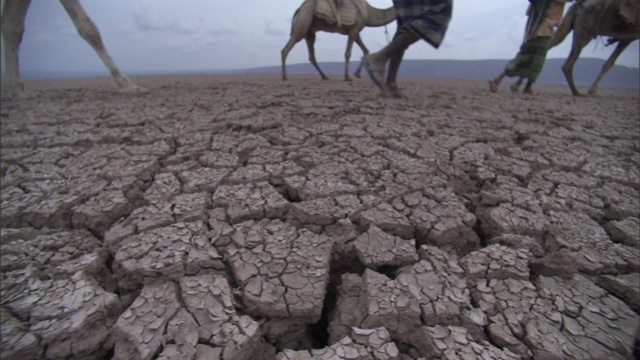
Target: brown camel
[
  {"x": 13, "y": 15},
  {"x": 619, "y": 19},
  {"x": 347, "y": 17}
]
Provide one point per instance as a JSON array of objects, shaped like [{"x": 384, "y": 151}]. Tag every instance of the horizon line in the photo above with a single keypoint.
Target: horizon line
[{"x": 223, "y": 70}]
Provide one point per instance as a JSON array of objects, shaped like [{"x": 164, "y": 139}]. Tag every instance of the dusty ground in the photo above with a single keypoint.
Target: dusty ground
[{"x": 242, "y": 217}]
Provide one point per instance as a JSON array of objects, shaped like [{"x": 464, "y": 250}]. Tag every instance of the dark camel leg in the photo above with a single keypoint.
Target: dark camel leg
[
  {"x": 13, "y": 14},
  {"x": 609, "y": 64},
  {"x": 579, "y": 42},
  {"x": 311, "y": 39},
  {"x": 365, "y": 52}
]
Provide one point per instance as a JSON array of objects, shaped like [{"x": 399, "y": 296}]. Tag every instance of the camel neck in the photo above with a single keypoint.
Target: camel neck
[{"x": 380, "y": 17}]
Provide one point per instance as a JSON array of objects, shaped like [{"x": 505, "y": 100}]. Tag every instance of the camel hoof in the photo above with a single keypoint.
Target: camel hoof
[
  {"x": 134, "y": 90},
  {"x": 15, "y": 92}
]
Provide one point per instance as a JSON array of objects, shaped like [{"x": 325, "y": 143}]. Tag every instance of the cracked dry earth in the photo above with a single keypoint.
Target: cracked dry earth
[{"x": 241, "y": 217}]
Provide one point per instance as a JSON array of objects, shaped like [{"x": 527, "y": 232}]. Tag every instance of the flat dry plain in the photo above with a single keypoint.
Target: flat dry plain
[{"x": 242, "y": 217}]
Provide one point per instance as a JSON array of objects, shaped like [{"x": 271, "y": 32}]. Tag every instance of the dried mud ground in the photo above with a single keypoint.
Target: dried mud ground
[{"x": 243, "y": 217}]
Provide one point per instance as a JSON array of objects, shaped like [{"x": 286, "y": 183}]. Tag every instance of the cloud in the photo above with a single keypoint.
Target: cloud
[
  {"x": 149, "y": 21},
  {"x": 270, "y": 30},
  {"x": 472, "y": 38},
  {"x": 221, "y": 31}
]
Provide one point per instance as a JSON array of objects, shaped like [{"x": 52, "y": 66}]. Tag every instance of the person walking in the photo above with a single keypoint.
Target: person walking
[
  {"x": 417, "y": 19},
  {"x": 543, "y": 18}
]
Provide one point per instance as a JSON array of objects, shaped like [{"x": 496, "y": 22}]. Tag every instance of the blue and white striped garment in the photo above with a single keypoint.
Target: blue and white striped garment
[{"x": 428, "y": 19}]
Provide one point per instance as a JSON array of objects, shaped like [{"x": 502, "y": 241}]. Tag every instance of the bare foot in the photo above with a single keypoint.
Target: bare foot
[
  {"x": 393, "y": 91},
  {"x": 493, "y": 86}
]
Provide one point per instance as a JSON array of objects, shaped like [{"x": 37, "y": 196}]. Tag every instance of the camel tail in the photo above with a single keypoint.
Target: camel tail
[{"x": 565, "y": 27}]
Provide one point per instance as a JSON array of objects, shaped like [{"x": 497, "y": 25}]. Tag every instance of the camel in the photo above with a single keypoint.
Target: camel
[
  {"x": 346, "y": 17},
  {"x": 619, "y": 19},
  {"x": 12, "y": 27}
]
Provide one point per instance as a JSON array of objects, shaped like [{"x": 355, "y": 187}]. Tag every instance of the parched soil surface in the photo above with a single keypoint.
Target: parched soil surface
[{"x": 242, "y": 217}]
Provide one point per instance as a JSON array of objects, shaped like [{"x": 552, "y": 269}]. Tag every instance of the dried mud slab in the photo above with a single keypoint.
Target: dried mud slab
[
  {"x": 235, "y": 217},
  {"x": 208, "y": 300},
  {"x": 626, "y": 231},
  {"x": 625, "y": 287},
  {"x": 497, "y": 262},
  {"x": 53, "y": 296},
  {"x": 374, "y": 343},
  {"x": 171, "y": 253},
  {"x": 17, "y": 342},
  {"x": 180, "y": 208},
  {"x": 453, "y": 342},
  {"x": 138, "y": 333},
  {"x": 570, "y": 317},
  {"x": 440, "y": 218},
  {"x": 428, "y": 292},
  {"x": 250, "y": 202},
  {"x": 376, "y": 248},
  {"x": 57, "y": 319},
  {"x": 282, "y": 271},
  {"x": 54, "y": 254},
  {"x": 595, "y": 252}
]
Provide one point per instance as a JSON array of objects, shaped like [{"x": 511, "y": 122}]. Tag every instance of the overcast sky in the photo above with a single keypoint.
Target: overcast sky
[{"x": 188, "y": 35}]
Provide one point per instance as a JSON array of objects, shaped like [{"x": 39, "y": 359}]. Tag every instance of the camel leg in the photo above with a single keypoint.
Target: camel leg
[
  {"x": 622, "y": 44},
  {"x": 285, "y": 52},
  {"x": 347, "y": 57},
  {"x": 365, "y": 52},
  {"x": 311, "y": 39},
  {"x": 13, "y": 15},
  {"x": 579, "y": 42},
  {"x": 90, "y": 33}
]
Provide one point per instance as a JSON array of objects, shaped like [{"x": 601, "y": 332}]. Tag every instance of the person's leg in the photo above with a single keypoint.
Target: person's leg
[
  {"x": 493, "y": 84},
  {"x": 391, "y": 85},
  {"x": 527, "y": 88},
  {"x": 394, "y": 50},
  {"x": 516, "y": 86}
]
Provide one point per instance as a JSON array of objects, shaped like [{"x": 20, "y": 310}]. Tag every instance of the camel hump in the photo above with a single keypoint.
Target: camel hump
[
  {"x": 342, "y": 12},
  {"x": 630, "y": 11}
]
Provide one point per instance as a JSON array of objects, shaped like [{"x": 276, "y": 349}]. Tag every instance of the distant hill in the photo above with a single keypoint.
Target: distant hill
[{"x": 585, "y": 71}]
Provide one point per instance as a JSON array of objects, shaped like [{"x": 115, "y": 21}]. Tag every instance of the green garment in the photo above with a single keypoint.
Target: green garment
[{"x": 530, "y": 59}]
